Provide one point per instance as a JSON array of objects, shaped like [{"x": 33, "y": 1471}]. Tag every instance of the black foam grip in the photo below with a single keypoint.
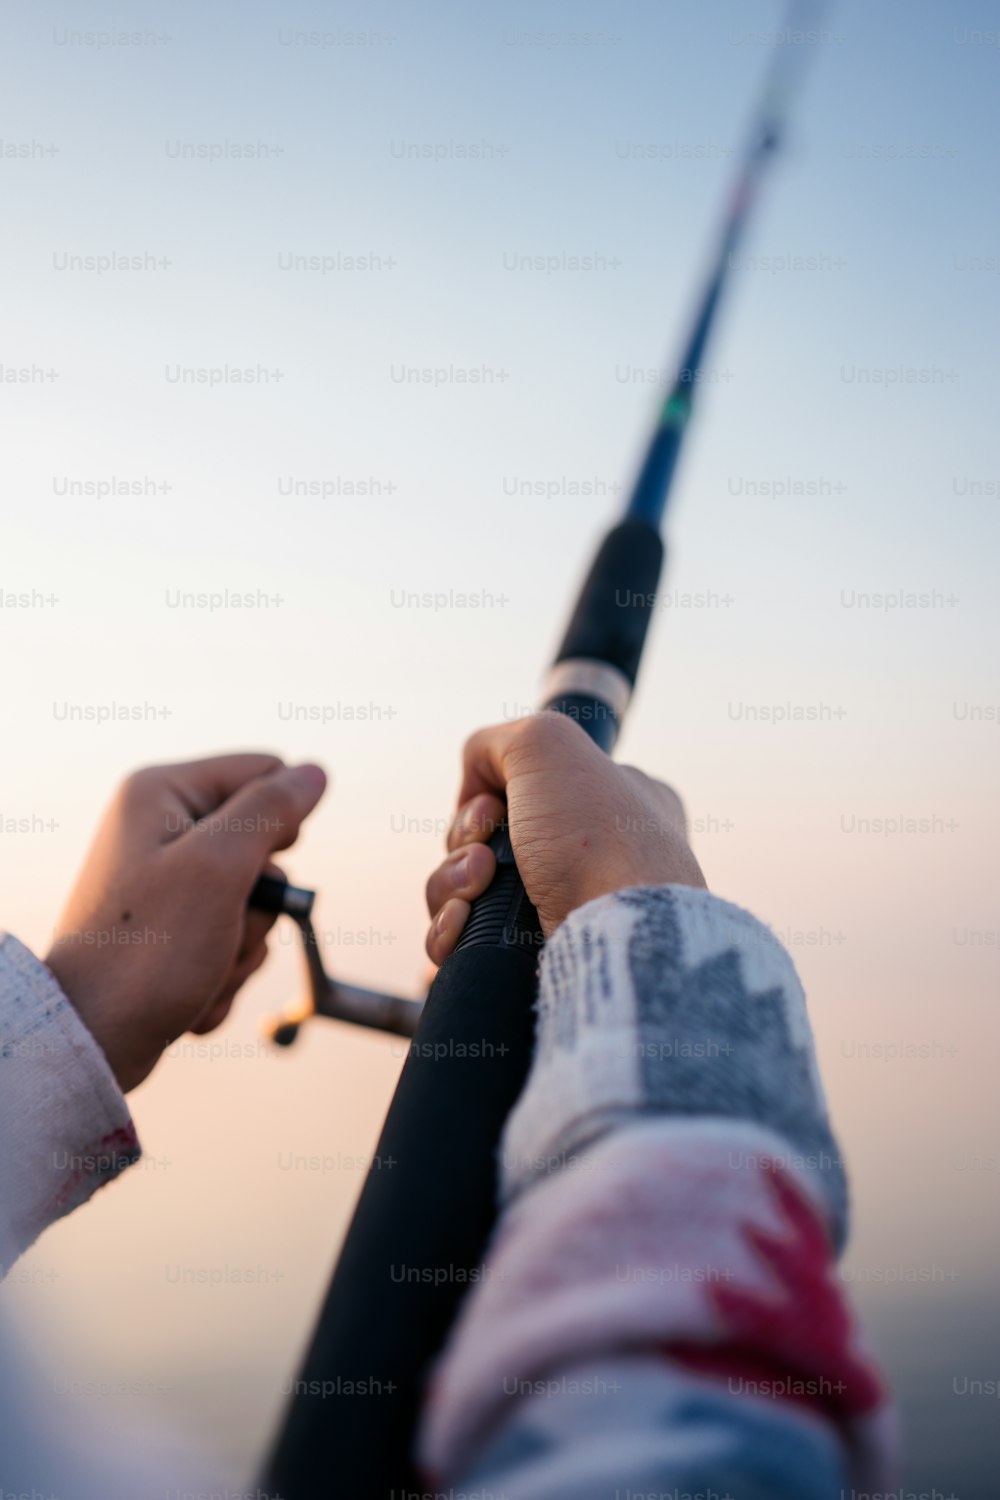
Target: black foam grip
[
  {"x": 616, "y": 602},
  {"x": 417, "y": 1239},
  {"x": 503, "y": 917}
]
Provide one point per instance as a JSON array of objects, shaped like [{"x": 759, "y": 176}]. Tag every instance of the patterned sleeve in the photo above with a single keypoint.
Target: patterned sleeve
[
  {"x": 659, "y": 1312},
  {"x": 64, "y": 1124}
]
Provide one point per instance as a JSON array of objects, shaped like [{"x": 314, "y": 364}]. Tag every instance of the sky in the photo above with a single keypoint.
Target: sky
[{"x": 456, "y": 248}]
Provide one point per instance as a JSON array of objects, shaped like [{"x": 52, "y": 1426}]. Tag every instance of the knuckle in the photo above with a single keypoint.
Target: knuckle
[
  {"x": 138, "y": 784},
  {"x": 475, "y": 741},
  {"x": 544, "y": 731},
  {"x": 669, "y": 797},
  {"x": 530, "y": 732}
]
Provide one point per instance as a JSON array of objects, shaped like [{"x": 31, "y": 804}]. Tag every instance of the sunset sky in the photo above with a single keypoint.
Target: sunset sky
[{"x": 821, "y": 683}]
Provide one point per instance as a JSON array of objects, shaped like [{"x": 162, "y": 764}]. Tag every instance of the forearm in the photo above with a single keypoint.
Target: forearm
[{"x": 673, "y": 1204}]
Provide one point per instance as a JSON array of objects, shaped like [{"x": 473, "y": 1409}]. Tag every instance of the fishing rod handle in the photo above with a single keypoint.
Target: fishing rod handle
[
  {"x": 274, "y": 893},
  {"x": 503, "y": 916},
  {"x": 590, "y": 683}
]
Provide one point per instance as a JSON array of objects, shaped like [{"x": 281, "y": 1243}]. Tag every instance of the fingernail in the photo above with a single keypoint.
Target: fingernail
[{"x": 311, "y": 778}]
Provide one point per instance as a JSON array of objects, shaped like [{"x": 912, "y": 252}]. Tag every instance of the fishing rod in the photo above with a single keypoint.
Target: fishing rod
[{"x": 429, "y": 1202}]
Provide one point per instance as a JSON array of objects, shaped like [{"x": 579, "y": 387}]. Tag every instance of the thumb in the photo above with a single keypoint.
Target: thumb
[{"x": 263, "y": 815}]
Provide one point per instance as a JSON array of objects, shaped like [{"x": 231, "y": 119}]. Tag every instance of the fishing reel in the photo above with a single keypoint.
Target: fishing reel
[{"x": 325, "y": 996}]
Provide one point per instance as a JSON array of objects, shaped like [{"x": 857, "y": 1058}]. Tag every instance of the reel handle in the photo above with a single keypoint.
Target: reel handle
[{"x": 273, "y": 893}]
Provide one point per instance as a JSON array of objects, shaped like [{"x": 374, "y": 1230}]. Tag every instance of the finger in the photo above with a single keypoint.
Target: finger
[
  {"x": 203, "y": 785},
  {"x": 160, "y": 803},
  {"x": 491, "y": 755},
  {"x": 483, "y": 758},
  {"x": 256, "y": 926},
  {"x": 258, "y": 923},
  {"x": 263, "y": 815},
  {"x": 215, "y": 1017},
  {"x": 477, "y": 821},
  {"x": 446, "y": 930},
  {"x": 465, "y": 873},
  {"x": 222, "y": 1004}
]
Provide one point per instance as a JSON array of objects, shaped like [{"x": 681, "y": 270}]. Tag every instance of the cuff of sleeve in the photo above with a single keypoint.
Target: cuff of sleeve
[
  {"x": 666, "y": 1000},
  {"x": 64, "y": 1123}
]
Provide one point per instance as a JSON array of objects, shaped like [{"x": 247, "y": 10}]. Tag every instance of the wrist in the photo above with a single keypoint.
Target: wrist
[
  {"x": 681, "y": 870},
  {"x": 89, "y": 1010}
]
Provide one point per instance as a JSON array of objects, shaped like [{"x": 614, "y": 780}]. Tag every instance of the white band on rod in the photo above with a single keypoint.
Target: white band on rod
[{"x": 581, "y": 676}]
